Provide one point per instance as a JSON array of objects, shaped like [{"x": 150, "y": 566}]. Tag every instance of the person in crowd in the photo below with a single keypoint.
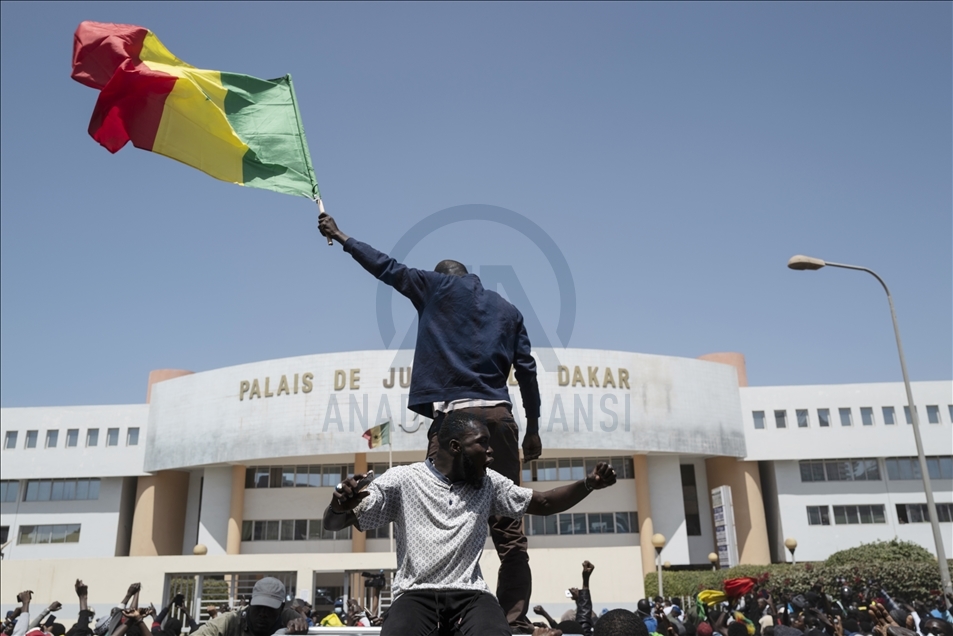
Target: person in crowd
[
  {"x": 37, "y": 621},
  {"x": 439, "y": 508},
  {"x": 166, "y": 625},
  {"x": 266, "y": 613},
  {"x": 620, "y": 622},
  {"x": 304, "y": 608},
  {"x": 22, "y": 624},
  {"x": 468, "y": 340}
]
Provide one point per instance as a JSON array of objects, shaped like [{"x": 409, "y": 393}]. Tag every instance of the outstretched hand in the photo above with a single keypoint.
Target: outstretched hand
[
  {"x": 601, "y": 477},
  {"x": 346, "y": 495},
  {"x": 329, "y": 228}
]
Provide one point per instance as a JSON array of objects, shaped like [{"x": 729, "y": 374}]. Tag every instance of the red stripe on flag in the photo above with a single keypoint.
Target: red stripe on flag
[
  {"x": 100, "y": 48},
  {"x": 130, "y": 107}
]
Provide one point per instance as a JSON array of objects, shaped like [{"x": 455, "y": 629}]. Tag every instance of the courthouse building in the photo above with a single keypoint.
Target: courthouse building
[{"x": 223, "y": 475}]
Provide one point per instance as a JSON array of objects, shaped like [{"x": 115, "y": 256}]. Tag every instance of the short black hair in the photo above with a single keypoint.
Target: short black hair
[
  {"x": 451, "y": 268},
  {"x": 455, "y": 425},
  {"x": 570, "y": 627},
  {"x": 737, "y": 628},
  {"x": 620, "y": 622}
]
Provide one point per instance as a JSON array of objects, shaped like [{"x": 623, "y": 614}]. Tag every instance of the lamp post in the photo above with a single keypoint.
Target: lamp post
[
  {"x": 800, "y": 262},
  {"x": 791, "y": 544},
  {"x": 713, "y": 559},
  {"x": 658, "y": 540}
]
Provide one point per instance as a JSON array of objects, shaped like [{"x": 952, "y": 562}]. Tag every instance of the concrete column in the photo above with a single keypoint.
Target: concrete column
[
  {"x": 216, "y": 508},
  {"x": 643, "y": 503},
  {"x": 750, "y": 524},
  {"x": 159, "y": 520},
  {"x": 236, "y": 512},
  {"x": 668, "y": 518},
  {"x": 358, "y": 538},
  {"x": 161, "y": 375}
]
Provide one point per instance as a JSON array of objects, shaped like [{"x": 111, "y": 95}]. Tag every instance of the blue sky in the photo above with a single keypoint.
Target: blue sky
[{"x": 677, "y": 154}]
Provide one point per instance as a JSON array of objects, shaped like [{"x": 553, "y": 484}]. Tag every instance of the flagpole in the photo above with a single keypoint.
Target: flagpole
[{"x": 320, "y": 203}]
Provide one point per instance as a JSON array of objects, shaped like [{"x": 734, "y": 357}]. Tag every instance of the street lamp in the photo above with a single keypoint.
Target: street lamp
[
  {"x": 713, "y": 559},
  {"x": 658, "y": 540},
  {"x": 801, "y": 262},
  {"x": 791, "y": 544}
]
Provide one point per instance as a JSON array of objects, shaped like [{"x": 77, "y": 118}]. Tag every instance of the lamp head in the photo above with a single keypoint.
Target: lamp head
[
  {"x": 658, "y": 540},
  {"x": 713, "y": 558},
  {"x": 667, "y": 565},
  {"x": 800, "y": 262},
  {"x": 790, "y": 543}
]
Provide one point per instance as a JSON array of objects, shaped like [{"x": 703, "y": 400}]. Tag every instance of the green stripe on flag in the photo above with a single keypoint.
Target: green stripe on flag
[{"x": 264, "y": 114}]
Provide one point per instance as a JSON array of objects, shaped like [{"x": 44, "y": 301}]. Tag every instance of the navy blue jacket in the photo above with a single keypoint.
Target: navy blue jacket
[{"x": 468, "y": 337}]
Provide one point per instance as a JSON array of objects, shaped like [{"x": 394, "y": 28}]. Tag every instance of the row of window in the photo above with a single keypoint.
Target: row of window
[
  {"x": 312, "y": 476},
  {"x": 582, "y": 523},
  {"x": 846, "y": 416},
  {"x": 865, "y": 514},
  {"x": 300, "y": 530},
  {"x": 574, "y": 469},
  {"x": 59, "y": 533},
  {"x": 898, "y": 469},
  {"x": 52, "y": 440}
]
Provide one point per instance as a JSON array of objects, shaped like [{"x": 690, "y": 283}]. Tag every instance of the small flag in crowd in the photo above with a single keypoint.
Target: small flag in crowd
[
  {"x": 378, "y": 436},
  {"x": 233, "y": 127}
]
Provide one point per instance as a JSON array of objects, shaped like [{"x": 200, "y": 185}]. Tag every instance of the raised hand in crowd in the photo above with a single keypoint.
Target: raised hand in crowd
[{"x": 542, "y": 612}]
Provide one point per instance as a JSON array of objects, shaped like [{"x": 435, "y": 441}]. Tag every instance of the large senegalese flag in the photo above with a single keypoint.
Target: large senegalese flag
[
  {"x": 377, "y": 436},
  {"x": 233, "y": 127}
]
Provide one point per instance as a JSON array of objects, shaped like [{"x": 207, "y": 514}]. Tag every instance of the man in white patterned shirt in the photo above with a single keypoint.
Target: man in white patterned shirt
[{"x": 439, "y": 509}]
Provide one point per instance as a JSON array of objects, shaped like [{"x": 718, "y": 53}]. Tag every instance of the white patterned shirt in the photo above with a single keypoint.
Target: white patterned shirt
[{"x": 440, "y": 527}]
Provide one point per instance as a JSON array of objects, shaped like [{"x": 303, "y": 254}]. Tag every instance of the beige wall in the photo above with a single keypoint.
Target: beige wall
[
  {"x": 236, "y": 511},
  {"x": 617, "y": 579},
  {"x": 158, "y": 524},
  {"x": 748, "y": 506},
  {"x": 736, "y": 360},
  {"x": 161, "y": 375}
]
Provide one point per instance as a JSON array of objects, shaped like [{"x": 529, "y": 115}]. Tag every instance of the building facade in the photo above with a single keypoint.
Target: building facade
[{"x": 241, "y": 462}]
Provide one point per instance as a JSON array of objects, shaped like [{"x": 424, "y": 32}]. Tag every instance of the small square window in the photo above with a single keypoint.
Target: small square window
[
  {"x": 132, "y": 436},
  {"x": 890, "y": 416},
  {"x": 933, "y": 414},
  {"x": 52, "y": 438},
  {"x": 112, "y": 437},
  {"x": 758, "y": 419},
  {"x": 907, "y": 415},
  {"x": 10, "y": 440},
  {"x": 951, "y": 413},
  {"x": 288, "y": 530},
  {"x": 845, "y": 417},
  {"x": 781, "y": 419},
  {"x": 802, "y": 418},
  {"x": 92, "y": 437},
  {"x": 72, "y": 438},
  {"x": 247, "y": 528},
  {"x": 823, "y": 417},
  {"x": 866, "y": 416},
  {"x": 31, "y": 437}
]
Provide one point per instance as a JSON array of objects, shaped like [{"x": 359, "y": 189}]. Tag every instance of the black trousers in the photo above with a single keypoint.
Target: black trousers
[
  {"x": 514, "y": 584},
  {"x": 445, "y": 613}
]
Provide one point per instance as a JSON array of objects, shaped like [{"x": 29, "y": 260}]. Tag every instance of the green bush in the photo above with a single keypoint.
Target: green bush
[
  {"x": 907, "y": 580},
  {"x": 879, "y": 552}
]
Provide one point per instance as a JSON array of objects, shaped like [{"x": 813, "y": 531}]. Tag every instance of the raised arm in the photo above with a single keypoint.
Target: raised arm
[
  {"x": 415, "y": 284},
  {"x": 542, "y": 612},
  {"x": 565, "y": 497},
  {"x": 23, "y": 621},
  {"x": 339, "y": 514},
  {"x": 55, "y": 606}
]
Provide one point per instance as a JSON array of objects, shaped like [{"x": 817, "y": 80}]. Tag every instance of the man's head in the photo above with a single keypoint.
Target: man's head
[
  {"x": 738, "y": 628},
  {"x": 301, "y": 606},
  {"x": 645, "y": 607},
  {"x": 620, "y": 622},
  {"x": 467, "y": 440},
  {"x": 451, "y": 268},
  {"x": 264, "y": 611},
  {"x": 569, "y": 627}
]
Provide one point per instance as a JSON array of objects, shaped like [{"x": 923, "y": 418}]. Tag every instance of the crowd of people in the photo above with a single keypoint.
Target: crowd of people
[
  {"x": 743, "y": 608},
  {"x": 747, "y": 608}
]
